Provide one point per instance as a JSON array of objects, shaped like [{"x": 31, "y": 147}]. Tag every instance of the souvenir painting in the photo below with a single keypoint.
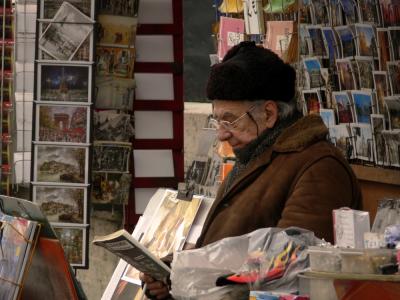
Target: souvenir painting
[
  {"x": 318, "y": 47},
  {"x": 365, "y": 67},
  {"x": 393, "y": 108},
  {"x": 49, "y": 8},
  {"x": 312, "y": 101},
  {"x": 366, "y": 41},
  {"x": 61, "y": 164},
  {"x": 116, "y": 31},
  {"x": 378, "y": 125},
  {"x": 112, "y": 126},
  {"x": 368, "y": 11},
  {"x": 115, "y": 61},
  {"x": 340, "y": 137},
  {"x": 73, "y": 241},
  {"x": 347, "y": 40},
  {"x": 381, "y": 86},
  {"x": 114, "y": 93},
  {"x": 110, "y": 188},
  {"x": 392, "y": 141},
  {"x": 111, "y": 156},
  {"x": 62, "y": 204},
  {"x": 343, "y": 107},
  {"x": 383, "y": 47},
  {"x": 313, "y": 72},
  {"x": 362, "y": 141},
  {"x": 345, "y": 74},
  {"x": 62, "y": 83},
  {"x": 67, "y": 124}
]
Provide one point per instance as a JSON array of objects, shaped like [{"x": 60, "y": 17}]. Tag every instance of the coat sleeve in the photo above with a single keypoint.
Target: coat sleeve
[{"x": 320, "y": 188}]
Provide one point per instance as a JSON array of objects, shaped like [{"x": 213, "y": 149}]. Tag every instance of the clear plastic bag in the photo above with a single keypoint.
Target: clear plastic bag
[{"x": 194, "y": 272}]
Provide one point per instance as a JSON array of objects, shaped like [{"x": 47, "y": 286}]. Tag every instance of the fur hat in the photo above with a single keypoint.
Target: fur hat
[{"x": 248, "y": 72}]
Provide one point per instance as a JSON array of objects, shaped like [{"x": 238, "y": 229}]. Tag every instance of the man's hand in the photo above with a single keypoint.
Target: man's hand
[{"x": 155, "y": 289}]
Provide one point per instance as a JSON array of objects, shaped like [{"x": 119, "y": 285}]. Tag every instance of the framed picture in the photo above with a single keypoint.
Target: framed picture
[
  {"x": 392, "y": 141},
  {"x": 347, "y": 40},
  {"x": 363, "y": 107},
  {"x": 49, "y": 8},
  {"x": 112, "y": 126},
  {"x": 394, "y": 76},
  {"x": 312, "y": 101},
  {"x": 61, "y": 164},
  {"x": 110, "y": 188},
  {"x": 113, "y": 61},
  {"x": 343, "y": 107},
  {"x": 60, "y": 123},
  {"x": 61, "y": 83},
  {"x": 116, "y": 31},
  {"x": 362, "y": 141},
  {"x": 365, "y": 67},
  {"x": 114, "y": 93},
  {"x": 366, "y": 41},
  {"x": 74, "y": 243},
  {"x": 65, "y": 34},
  {"x": 128, "y": 8},
  {"x": 378, "y": 125},
  {"x": 111, "y": 156},
  {"x": 393, "y": 108},
  {"x": 61, "y": 204},
  {"x": 383, "y": 47},
  {"x": 381, "y": 86},
  {"x": 346, "y": 74}
]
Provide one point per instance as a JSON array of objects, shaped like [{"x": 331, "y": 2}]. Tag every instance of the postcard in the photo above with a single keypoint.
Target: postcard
[
  {"x": 116, "y": 31},
  {"x": 381, "y": 86},
  {"x": 73, "y": 241},
  {"x": 111, "y": 156},
  {"x": 340, "y": 137},
  {"x": 335, "y": 13},
  {"x": 347, "y": 40},
  {"x": 254, "y": 17},
  {"x": 197, "y": 172},
  {"x": 328, "y": 116},
  {"x": 393, "y": 108},
  {"x": 394, "y": 38},
  {"x": 127, "y": 8},
  {"x": 356, "y": 74},
  {"x": 66, "y": 33},
  {"x": 394, "y": 76},
  {"x": 390, "y": 10},
  {"x": 110, "y": 188},
  {"x": 317, "y": 43},
  {"x": 320, "y": 13},
  {"x": 383, "y": 47},
  {"x": 312, "y": 101},
  {"x": 313, "y": 72},
  {"x": 366, "y": 41},
  {"x": 231, "y": 33},
  {"x": 343, "y": 107},
  {"x": 362, "y": 141},
  {"x": 279, "y": 34},
  {"x": 368, "y": 11},
  {"x": 112, "y": 126},
  {"x": 62, "y": 204},
  {"x": 331, "y": 45},
  {"x": 113, "y": 61},
  {"x": 378, "y": 125},
  {"x": 49, "y": 8},
  {"x": 112, "y": 93},
  {"x": 169, "y": 227},
  {"x": 59, "y": 123},
  {"x": 362, "y": 106},
  {"x": 61, "y": 163},
  {"x": 350, "y": 10},
  {"x": 365, "y": 67},
  {"x": 62, "y": 83},
  {"x": 345, "y": 74},
  {"x": 392, "y": 141},
  {"x": 304, "y": 40}
]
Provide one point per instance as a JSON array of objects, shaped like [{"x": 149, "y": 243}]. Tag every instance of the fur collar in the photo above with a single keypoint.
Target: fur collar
[{"x": 304, "y": 132}]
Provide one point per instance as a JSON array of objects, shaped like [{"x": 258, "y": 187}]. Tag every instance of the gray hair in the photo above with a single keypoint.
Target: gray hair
[{"x": 285, "y": 109}]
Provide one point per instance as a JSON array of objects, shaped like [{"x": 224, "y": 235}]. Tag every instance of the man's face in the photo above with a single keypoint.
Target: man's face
[{"x": 244, "y": 129}]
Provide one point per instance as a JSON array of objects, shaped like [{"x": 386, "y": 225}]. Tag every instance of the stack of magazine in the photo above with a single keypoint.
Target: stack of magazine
[{"x": 18, "y": 240}]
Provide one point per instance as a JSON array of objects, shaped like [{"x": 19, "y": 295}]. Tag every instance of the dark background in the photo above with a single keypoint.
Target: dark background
[{"x": 198, "y": 16}]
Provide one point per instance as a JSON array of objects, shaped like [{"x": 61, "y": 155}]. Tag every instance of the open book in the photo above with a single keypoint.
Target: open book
[{"x": 122, "y": 244}]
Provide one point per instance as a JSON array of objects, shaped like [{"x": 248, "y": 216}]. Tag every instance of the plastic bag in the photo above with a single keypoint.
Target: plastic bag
[{"x": 194, "y": 272}]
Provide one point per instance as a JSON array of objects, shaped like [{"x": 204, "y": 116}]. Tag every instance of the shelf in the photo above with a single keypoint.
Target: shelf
[
  {"x": 351, "y": 276},
  {"x": 377, "y": 174}
]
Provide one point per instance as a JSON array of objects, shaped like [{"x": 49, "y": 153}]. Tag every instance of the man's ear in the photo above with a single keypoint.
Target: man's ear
[{"x": 271, "y": 112}]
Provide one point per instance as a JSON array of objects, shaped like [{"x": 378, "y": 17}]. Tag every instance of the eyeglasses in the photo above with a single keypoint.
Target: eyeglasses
[{"x": 217, "y": 124}]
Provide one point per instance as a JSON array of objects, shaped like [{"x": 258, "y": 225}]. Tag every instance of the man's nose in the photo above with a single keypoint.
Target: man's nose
[{"x": 223, "y": 134}]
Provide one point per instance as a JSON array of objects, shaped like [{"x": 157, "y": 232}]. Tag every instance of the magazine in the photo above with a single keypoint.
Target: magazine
[{"x": 122, "y": 244}]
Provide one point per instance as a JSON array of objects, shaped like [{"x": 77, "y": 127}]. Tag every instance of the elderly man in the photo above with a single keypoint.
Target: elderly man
[{"x": 287, "y": 173}]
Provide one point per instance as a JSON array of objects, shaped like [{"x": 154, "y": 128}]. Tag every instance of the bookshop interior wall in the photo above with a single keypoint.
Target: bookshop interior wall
[{"x": 83, "y": 127}]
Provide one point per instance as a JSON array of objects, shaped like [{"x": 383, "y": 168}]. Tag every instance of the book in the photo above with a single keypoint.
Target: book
[{"x": 122, "y": 244}]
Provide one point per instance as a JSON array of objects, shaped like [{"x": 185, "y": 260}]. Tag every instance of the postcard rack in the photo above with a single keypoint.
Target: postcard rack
[{"x": 62, "y": 113}]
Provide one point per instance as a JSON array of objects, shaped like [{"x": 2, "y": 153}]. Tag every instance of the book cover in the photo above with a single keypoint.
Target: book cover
[{"x": 122, "y": 244}]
